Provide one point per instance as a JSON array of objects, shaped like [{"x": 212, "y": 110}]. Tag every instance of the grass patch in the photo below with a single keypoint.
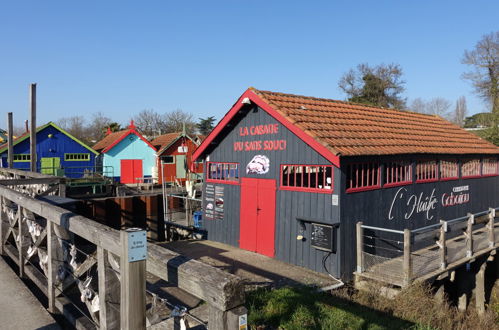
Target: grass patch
[
  {"x": 415, "y": 308},
  {"x": 304, "y": 308}
]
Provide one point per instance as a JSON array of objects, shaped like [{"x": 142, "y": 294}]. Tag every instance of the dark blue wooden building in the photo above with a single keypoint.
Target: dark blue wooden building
[
  {"x": 289, "y": 176},
  {"x": 58, "y": 152}
]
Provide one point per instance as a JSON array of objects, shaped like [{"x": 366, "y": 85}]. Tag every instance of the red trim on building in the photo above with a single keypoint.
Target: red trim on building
[
  {"x": 308, "y": 189},
  {"x": 131, "y": 131},
  {"x": 322, "y": 150}
]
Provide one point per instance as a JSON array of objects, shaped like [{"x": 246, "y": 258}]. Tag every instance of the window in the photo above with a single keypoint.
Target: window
[
  {"x": 426, "y": 171},
  {"x": 470, "y": 168},
  {"x": 223, "y": 172},
  {"x": 398, "y": 173},
  {"x": 168, "y": 159},
  {"x": 313, "y": 178},
  {"x": 22, "y": 157},
  {"x": 362, "y": 176},
  {"x": 76, "y": 157},
  {"x": 490, "y": 166},
  {"x": 449, "y": 169}
]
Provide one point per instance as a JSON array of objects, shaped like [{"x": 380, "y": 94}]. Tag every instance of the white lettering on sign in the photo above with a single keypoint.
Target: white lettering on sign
[
  {"x": 460, "y": 188},
  {"x": 415, "y": 204}
]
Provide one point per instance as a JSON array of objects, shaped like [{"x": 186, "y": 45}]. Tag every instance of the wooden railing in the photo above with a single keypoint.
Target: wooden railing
[
  {"x": 43, "y": 239},
  {"x": 401, "y": 257}
]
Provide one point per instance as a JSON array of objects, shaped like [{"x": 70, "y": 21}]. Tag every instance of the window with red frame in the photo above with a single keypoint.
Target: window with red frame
[
  {"x": 398, "y": 173},
  {"x": 223, "y": 172},
  {"x": 318, "y": 178},
  {"x": 362, "y": 176},
  {"x": 490, "y": 166},
  {"x": 426, "y": 171},
  {"x": 470, "y": 168},
  {"x": 449, "y": 169}
]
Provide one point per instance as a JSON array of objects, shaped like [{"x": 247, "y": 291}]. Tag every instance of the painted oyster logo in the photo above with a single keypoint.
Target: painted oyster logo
[{"x": 260, "y": 164}]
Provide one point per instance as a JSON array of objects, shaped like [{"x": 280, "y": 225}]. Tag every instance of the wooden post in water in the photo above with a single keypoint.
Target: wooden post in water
[
  {"x": 10, "y": 141},
  {"x": 133, "y": 279},
  {"x": 492, "y": 215},
  {"x": 360, "y": 245},
  {"x": 442, "y": 244},
  {"x": 32, "y": 132},
  {"x": 469, "y": 235},
  {"x": 407, "y": 257}
]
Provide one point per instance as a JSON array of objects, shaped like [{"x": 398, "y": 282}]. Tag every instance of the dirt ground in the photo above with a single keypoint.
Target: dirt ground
[{"x": 255, "y": 269}]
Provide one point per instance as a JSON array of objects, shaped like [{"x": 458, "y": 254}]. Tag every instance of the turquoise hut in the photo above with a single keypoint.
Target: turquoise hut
[{"x": 128, "y": 153}]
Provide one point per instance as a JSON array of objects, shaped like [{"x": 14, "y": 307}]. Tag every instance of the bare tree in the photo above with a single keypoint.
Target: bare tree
[
  {"x": 380, "y": 85},
  {"x": 97, "y": 127},
  {"x": 438, "y": 106},
  {"x": 460, "y": 111},
  {"x": 149, "y": 122},
  {"x": 74, "y": 125},
  {"x": 484, "y": 77},
  {"x": 418, "y": 105},
  {"x": 175, "y": 120}
]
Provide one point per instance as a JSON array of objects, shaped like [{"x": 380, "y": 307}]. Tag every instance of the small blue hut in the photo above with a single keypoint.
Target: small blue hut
[{"x": 131, "y": 156}]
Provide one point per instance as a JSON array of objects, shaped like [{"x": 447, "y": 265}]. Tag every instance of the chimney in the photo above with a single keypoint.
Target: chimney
[{"x": 26, "y": 126}]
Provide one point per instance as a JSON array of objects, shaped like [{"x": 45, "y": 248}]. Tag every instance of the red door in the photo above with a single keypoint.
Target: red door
[
  {"x": 257, "y": 216},
  {"x": 131, "y": 170}
]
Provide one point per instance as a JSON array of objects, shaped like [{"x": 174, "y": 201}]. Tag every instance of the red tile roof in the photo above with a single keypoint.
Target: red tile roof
[
  {"x": 109, "y": 140},
  {"x": 349, "y": 129},
  {"x": 164, "y": 140}
]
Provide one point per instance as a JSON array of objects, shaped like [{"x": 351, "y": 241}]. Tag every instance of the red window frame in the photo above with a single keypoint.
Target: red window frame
[
  {"x": 368, "y": 173},
  {"x": 449, "y": 169},
  {"x": 307, "y": 178},
  {"x": 426, "y": 171},
  {"x": 223, "y": 168},
  {"x": 490, "y": 164},
  {"x": 477, "y": 166},
  {"x": 398, "y": 173}
]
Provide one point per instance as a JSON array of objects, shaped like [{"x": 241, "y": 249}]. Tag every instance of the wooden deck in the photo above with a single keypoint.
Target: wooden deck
[{"x": 431, "y": 261}]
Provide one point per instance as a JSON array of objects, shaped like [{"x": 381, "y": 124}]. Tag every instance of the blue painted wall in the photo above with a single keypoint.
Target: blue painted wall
[
  {"x": 131, "y": 147},
  {"x": 55, "y": 146}
]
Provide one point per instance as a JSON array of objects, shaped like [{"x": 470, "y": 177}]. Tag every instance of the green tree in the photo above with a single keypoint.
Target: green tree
[
  {"x": 484, "y": 60},
  {"x": 381, "y": 85},
  {"x": 205, "y": 125}
]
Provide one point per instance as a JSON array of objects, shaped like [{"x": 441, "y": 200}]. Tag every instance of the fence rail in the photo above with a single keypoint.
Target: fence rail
[
  {"x": 401, "y": 257},
  {"x": 60, "y": 251}
]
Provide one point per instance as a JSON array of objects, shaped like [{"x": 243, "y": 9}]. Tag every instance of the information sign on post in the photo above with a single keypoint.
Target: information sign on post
[{"x": 137, "y": 244}]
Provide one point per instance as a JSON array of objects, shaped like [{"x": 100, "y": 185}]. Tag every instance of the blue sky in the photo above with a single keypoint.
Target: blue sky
[{"x": 120, "y": 57}]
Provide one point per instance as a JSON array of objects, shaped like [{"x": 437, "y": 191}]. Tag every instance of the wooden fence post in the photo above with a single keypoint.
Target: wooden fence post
[
  {"x": 133, "y": 279},
  {"x": 20, "y": 240},
  {"x": 235, "y": 318},
  {"x": 52, "y": 245},
  {"x": 442, "y": 244},
  {"x": 492, "y": 215},
  {"x": 360, "y": 245},
  {"x": 469, "y": 235},
  {"x": 407, "y": 257},
  {"x": 2, "y": 219},
  {"x": 109, "y": 290}
]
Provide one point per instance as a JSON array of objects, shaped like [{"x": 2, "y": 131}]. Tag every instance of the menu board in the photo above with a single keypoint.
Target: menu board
[
  {"x": 214, "y": 202},
  {"x": 209, "y": 202},
  {"x": 322, "y": 237}
]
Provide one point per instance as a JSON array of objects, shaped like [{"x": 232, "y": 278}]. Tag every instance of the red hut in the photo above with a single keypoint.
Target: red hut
[{"x": 175, "y": 158}]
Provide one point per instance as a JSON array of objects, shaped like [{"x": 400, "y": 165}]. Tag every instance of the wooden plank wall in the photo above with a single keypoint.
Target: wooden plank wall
[{"x": 144, "y": 211}]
